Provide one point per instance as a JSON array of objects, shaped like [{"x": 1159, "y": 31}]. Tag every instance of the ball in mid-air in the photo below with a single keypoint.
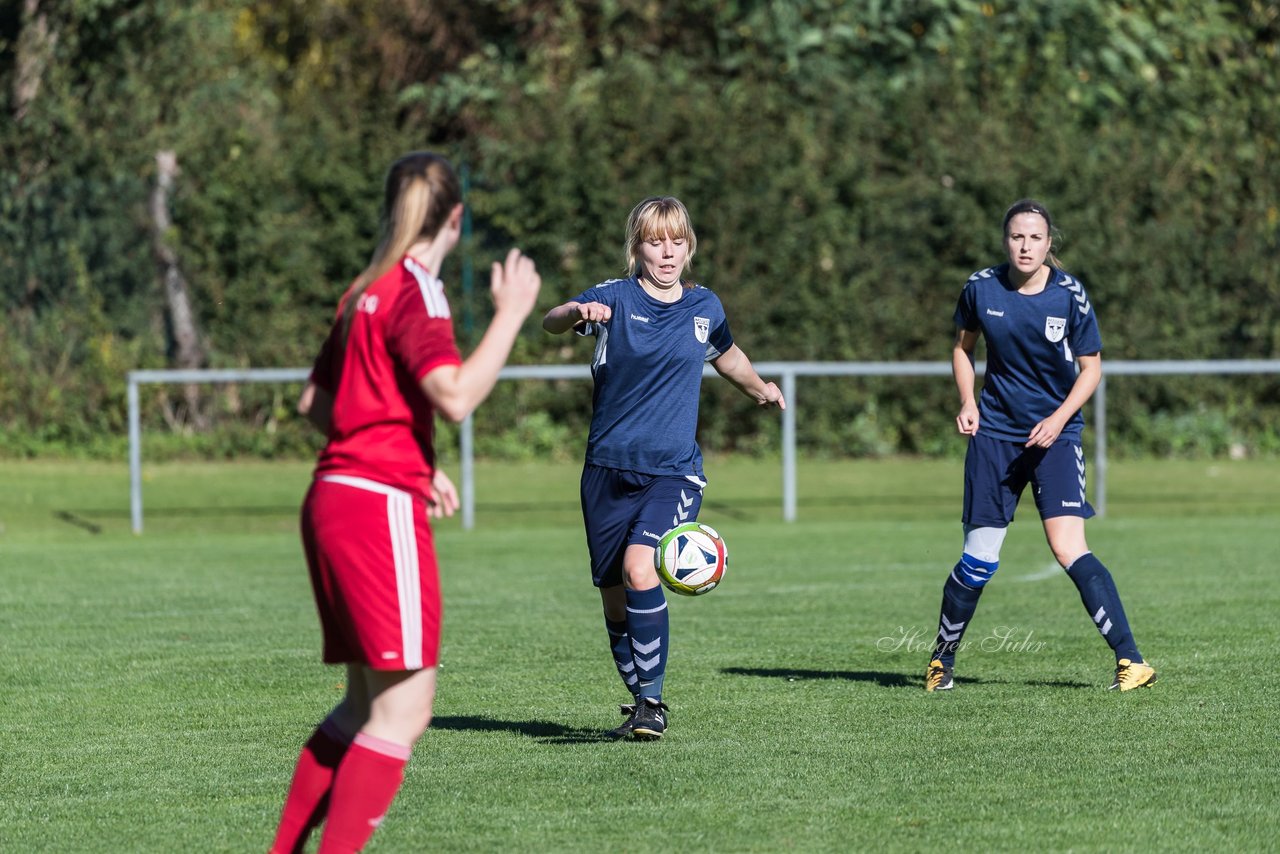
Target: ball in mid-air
[{"x": 691, "y": 559}]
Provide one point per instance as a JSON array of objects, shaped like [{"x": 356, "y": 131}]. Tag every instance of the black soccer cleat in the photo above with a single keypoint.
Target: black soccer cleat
[
  {"x": 623, "y": 729},
  {"x": 650, "y": 720}
]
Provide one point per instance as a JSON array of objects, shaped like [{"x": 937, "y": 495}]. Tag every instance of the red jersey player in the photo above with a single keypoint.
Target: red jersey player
[{"x": 389, "y": 364}]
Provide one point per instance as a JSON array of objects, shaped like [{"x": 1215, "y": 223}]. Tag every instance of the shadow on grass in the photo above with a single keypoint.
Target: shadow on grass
[
  {"x": 1057, "y": 683},
  {"x": 546, "y": 732},
  {"x": 887, "y": 680},
  {"x": 884, "y": 680},
  {"x": 77, "y": 521}
]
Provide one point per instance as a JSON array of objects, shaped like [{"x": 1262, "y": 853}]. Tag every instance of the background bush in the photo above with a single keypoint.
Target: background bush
[{"x": 846, "y": 165}]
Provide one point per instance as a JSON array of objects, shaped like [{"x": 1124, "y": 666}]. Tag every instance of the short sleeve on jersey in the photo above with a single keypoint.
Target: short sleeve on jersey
[
  {"x": 420, "y": 332},
  {"x": 1085, "y": 339},
  {"x": 719, "y": 341},
  {"x": 966, "y": 316},
  {"x": 1082, "y": 328},
  {"x": 601, "y": 294}
]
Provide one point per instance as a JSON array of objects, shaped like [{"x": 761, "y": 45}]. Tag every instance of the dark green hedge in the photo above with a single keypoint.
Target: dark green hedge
[{"x": 846, "y": 165}]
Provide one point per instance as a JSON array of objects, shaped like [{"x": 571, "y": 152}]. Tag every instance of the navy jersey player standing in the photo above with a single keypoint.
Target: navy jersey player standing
[
  {"x": 643, "y": 474},
  {"x": 1043, "y": 364}
]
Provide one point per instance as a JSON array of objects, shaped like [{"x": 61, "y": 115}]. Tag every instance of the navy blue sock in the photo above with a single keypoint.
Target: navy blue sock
[
  {"x": 959, "y": 601},
  {"x": 1102, "y": 601},
  {"x": 620, "y": 645},
  {"x": 649, "y": 628}
]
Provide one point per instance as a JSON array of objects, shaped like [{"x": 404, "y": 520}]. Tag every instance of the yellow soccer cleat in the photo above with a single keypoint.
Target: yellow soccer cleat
[
  {"x": 1130, "y": 675},
  {"x": 938, "y": 677}
]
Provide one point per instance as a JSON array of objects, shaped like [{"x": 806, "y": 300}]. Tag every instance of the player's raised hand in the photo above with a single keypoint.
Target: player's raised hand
[
  {"x": 515, "y": 284},
  {"x": 594, "y": 312}
]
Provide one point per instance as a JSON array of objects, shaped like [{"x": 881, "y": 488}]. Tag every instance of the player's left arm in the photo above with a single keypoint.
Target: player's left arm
[
  {"x": 734, "y": 366},
  {"x": 316, "y": 405},
  {"x": 1047, "y": 431}
]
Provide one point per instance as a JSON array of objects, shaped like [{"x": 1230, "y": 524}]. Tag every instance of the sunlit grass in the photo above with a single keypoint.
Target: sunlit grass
[{"x": 157, "y": 688}]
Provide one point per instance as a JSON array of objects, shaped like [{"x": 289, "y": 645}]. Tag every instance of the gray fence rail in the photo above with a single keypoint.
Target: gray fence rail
[{"x": 786, "y": 373}]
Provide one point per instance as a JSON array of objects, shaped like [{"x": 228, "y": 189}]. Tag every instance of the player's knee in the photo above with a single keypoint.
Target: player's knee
[
  {"x": 401, "y": 721},
  {"x": 349, "y": 718},
  {"x": 614, "y": 599},
  {"x": 973, "y": 572},
  {"x": 643, "y": 577},
  {"x": 639, "y": 569},
  {"x": 352, "y": 712},
  {"x": 1066, "y": 538},
  {"x": 981, "y": 557},
  {"x": 984, "y": 544},
  {"x": 1072, "y": 563},
  {"x": 1067, "y": 552}
]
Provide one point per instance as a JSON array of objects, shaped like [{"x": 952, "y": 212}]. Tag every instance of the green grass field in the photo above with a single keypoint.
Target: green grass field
[{"x": 156, "y": 689}]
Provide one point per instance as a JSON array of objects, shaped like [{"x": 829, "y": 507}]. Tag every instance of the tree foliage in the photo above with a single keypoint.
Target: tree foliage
[{"x": 846, "y": 165}]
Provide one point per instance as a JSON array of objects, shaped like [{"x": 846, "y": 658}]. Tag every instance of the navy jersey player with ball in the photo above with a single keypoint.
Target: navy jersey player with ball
[
  {"x": 643, "y": 475},
  {"x": 1043, "y": 364}
]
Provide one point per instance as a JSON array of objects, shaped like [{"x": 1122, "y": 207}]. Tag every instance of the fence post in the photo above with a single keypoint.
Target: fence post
[
  {"x": 789, "y": 447},
  {"x": 135, "y": 457},
  {"x": 467, "y": 467}
]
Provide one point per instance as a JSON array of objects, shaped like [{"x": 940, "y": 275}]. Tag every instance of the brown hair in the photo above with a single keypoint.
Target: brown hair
[
  {"x": 1032, "y": 206},
  {"x": 659, "y": 216},
  {"x": 419, "y": 192}
]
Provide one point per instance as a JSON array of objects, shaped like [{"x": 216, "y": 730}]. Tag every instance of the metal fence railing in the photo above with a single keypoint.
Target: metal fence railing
[{"x": 786, "y": 373}]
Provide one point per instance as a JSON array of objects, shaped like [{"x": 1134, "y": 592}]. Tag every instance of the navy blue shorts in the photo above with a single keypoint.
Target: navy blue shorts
[
  {"x": 623, "y": 508},
  {"x": 996, "y": 472}
]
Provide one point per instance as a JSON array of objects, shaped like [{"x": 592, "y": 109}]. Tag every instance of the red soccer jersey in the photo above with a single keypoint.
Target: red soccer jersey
[{"x": 382, "y": 425}]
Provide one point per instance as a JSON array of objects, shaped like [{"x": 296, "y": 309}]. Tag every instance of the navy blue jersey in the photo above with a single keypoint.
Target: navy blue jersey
[
  {"x": 1032, "y": 342},
  {"x": 648, "y": 374}
]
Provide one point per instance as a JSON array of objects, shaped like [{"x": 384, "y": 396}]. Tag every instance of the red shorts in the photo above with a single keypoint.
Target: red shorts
[{"x": 373, "y": 570}]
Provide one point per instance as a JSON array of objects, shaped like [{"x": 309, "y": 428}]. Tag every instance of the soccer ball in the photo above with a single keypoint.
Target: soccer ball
[{"x": 691, "y": 559}]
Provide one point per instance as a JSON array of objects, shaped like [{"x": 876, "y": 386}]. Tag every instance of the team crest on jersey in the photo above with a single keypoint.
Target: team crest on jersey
[
  {"x": 701, "y": 329},
  {"x": 1054, "y": 328}
]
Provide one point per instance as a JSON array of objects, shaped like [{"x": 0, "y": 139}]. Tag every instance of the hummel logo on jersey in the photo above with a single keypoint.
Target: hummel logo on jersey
[
  {"x": 639, "y": 318},
  {"x": 994, "y": 313},
  {"x": 650, "y": 534},
  {"x": 368, "y": 303},
  {"x": 1075, "y": 504}
]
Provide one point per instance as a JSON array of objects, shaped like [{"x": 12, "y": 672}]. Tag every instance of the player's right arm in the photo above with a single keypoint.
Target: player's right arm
[
  {"x": 456, "y": 390},
  {"x": 564, "y": 317},
  {"x": 965, "y": 376}
]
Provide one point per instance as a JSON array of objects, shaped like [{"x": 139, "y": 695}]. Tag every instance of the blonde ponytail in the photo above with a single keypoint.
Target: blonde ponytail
[{"x": 420, "y": 190}]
